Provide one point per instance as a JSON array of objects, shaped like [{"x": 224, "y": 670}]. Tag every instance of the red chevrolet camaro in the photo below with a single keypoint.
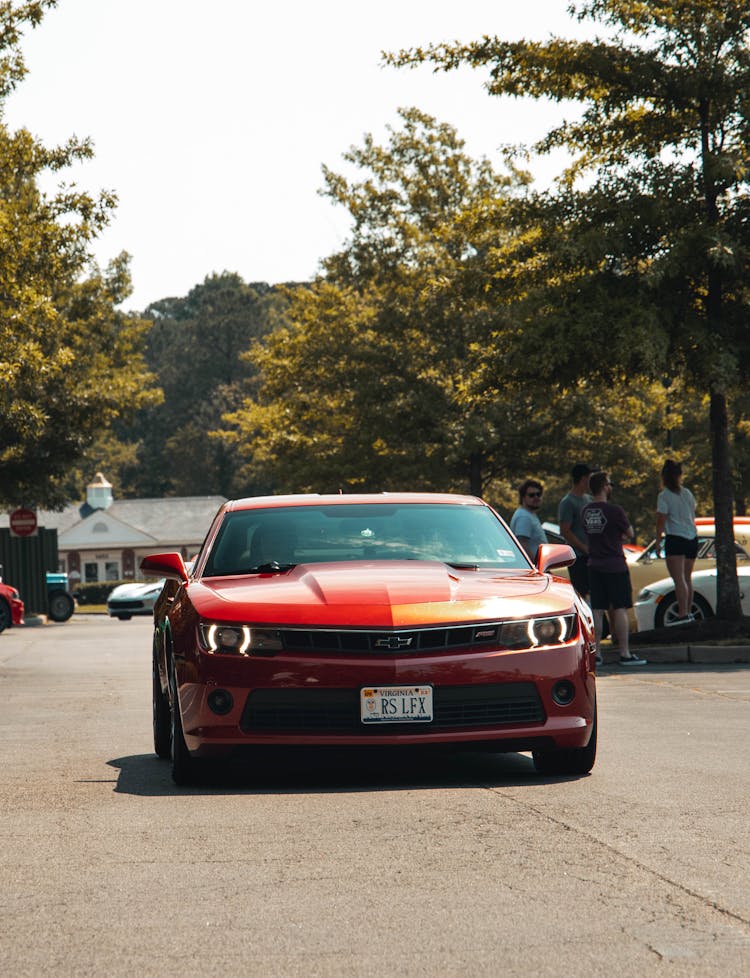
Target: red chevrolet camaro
[{"x": 383, "y": 619}]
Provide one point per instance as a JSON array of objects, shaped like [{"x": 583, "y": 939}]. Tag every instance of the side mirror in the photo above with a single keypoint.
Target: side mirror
[
  {"x": 170, "y": 565},
  {"x": 550, "y": 555}
]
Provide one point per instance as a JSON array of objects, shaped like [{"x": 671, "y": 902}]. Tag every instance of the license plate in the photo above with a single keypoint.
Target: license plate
[{"x": 396, "y": 704}]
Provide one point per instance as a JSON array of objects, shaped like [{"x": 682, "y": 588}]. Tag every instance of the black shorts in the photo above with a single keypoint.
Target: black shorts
[
  {"x": 579, "y": 574},
  {"x": 610, "y": 589},
  {"x": 675, "y": 546}
]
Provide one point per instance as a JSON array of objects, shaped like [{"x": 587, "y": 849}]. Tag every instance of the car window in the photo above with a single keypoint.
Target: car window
[
  {"x": 710, "y": 551},
  {"x": 468, "y": 535},
  {"x": 704, "y": 545}
]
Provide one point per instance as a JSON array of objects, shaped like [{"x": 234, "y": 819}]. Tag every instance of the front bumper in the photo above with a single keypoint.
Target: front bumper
[
  {"x": 498, "y": 698},
  {"x": 115, "y": 609},
  {"x": 645, "y": 615},
  {"x": 17, "y": 612}
]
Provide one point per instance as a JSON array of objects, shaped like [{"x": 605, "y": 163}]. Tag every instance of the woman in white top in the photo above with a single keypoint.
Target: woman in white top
[{"x": 675, "y": 520}]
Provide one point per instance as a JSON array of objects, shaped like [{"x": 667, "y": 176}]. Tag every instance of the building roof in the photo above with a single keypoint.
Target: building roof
[{"x": 170, "y": 522}]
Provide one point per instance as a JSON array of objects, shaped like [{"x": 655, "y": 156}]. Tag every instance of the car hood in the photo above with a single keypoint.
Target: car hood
[{"x": 379, "y": 594}]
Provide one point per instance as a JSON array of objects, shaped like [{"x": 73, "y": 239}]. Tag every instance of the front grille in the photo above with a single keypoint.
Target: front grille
[
  {"x": 337, "y": 710},
  {"x": 392, "y": 642},
  {"x": 132, "y": 605}
]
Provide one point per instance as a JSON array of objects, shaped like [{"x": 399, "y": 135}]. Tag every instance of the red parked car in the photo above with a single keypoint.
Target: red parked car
[
  {"x": 11, "y": 607},
  {"x": 389, "y": 619}
]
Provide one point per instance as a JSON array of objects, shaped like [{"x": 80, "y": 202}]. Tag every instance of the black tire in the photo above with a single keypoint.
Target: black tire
[
  {"x": 124, "y": 617},
  {"x": 701, "y": 609},
  {"x": 61, "y": 605},
  {"x": 162, "y": 717},
  {"x": 184, "y": 767},
  {"x": 666, "y": 610},
  {"x": 6, "y": 620},
  {"x": 570, "y": 760}
]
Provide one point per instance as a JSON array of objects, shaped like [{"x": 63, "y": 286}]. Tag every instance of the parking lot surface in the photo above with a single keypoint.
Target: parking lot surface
[{"x": 386, "y": 864}]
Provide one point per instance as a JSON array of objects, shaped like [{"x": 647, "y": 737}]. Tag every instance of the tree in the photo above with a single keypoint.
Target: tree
[
  {"x": 382, "y": 379},
  {"x": 660, "y": 234},
  {"x": 196, "y": 348},
  {"x": 70, "y": 362}
]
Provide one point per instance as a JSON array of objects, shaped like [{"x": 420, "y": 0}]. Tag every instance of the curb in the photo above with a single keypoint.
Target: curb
[
  {"x": 698, "y": 654},
  {"x": 31, "y": 621}
]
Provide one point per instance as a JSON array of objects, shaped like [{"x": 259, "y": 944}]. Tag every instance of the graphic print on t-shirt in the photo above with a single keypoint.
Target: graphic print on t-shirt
[{"x": 594, "y": 520}]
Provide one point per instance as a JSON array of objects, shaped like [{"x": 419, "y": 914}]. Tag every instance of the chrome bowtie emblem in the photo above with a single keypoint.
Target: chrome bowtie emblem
[{"x": 393, "y": 642}]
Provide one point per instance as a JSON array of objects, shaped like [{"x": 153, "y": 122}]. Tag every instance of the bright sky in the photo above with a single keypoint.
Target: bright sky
[{"x": 211, "y": 121}]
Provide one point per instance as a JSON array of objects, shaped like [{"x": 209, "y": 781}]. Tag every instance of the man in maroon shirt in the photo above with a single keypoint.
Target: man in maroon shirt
[{"x": 607, "y": 525}]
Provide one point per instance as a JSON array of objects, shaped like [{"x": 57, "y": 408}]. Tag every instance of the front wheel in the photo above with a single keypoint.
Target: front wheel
[
  {"x": 61, "y": 606},
  {"x": 568, "y": 760},
  {"x": 667, "y": 612},
  {"x": 162, "y": 717},
  {"x": 6, "y": 619},
  {"x": 184, "y": 766}
]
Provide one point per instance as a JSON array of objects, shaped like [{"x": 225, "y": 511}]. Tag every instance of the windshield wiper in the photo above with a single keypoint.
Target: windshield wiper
[
  {"x": 462, "y": 566},
  {"x": 272, "y": 567}
]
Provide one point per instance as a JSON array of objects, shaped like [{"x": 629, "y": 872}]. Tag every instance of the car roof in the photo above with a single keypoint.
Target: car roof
[
  {"x": 348, "y": 499},
  {"x": 711, "y": 520}
]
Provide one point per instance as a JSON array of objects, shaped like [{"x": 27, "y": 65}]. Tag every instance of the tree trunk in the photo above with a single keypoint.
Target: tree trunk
[
  {"x": 727, "y": 587},
  {"x": 475, "y": 474}
]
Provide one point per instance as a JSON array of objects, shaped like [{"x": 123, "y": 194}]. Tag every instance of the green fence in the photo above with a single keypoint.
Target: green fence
[{"x": 25, "y": 562}]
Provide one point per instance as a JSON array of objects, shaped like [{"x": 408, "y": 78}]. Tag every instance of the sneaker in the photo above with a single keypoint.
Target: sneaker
[
  {"x": 633, "y": 660},
  {"x": 684, "y": 620}
]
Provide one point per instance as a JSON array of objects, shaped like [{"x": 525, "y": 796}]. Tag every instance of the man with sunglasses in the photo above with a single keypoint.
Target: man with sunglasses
[{"x": 525, "y": 522}]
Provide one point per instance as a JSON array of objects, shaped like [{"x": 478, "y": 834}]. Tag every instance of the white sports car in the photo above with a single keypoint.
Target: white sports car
[
  {"x": 656, "y": 604},
  {"x": 137, "y": 598}
]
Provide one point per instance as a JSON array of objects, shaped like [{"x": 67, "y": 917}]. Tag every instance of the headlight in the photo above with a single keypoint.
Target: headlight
[
  {"x": 645, "y": 595},
  {"x": 530, "y": 633},
  {"x": 239, "y": 639}
]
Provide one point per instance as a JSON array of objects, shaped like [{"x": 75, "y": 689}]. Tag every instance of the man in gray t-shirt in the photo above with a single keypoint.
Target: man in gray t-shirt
[{"x": 571, "y": 526}]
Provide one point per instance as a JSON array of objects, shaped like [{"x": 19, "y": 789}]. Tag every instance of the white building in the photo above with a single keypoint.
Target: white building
[{"x": 104, "y": 538}]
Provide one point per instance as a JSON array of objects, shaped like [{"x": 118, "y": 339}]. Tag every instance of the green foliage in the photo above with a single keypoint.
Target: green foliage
[
  {"x": 429, "y": 355},
  {"x": 197, "y": 348},
  {"x": 96, "y": 593},
  {"x": 70, "y": 362},
  {"x": 382, "y": 378},
  {"x": 658, "y": 238},
  {"x": 14, "y": 17}
]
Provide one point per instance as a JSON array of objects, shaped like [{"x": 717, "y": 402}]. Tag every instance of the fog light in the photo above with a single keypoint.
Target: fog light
[
  {"x": 220, "y": 701},
  {"x": 563, "y": 692}
]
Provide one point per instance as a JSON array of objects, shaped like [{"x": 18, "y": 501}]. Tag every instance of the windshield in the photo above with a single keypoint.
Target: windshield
[{"x": 277, "y": 539}]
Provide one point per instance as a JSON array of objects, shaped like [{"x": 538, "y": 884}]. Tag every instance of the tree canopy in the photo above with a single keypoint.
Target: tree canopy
[
  {"x": 396, "y": 368},
  {"x": 70, "y": 362},
  {"x": 196, "y": 349},
  {"x": 382, "y": 377},
  {"x": 650, "y": 264}
]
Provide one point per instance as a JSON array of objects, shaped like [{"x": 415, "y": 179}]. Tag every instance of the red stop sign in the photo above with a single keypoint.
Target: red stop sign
[{"x": 23, "y": 522}]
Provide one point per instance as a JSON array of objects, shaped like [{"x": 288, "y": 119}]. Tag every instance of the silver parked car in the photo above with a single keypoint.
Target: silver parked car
[{"x": 137, "y": 598}]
